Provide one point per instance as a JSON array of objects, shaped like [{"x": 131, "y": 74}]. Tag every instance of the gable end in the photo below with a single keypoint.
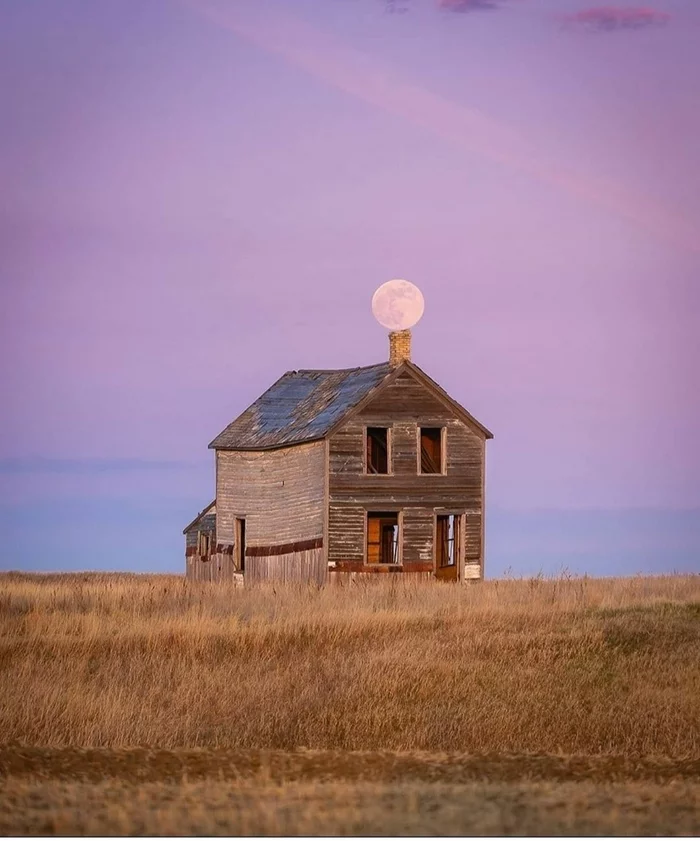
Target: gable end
[{"x": 430, "y": 385}]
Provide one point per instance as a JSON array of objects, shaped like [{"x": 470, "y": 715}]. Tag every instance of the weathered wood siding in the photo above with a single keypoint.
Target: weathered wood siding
[
  {"x": 418, "y": 525},
  {"x": 281, "y": 495},
  {"x": 279, "y": 492},
  {"x": 405, "y": 405},
  {"x": 206, "y": 524},
  {"x": 217, "y": 567},
  {"x": 306, "y": 565},
  {"x": 198, "y": 566}
]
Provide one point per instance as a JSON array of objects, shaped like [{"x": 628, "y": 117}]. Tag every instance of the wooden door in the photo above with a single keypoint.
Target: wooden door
[
  {"x": 389, "y": 543},
  {"x": 447, "y": 544}
]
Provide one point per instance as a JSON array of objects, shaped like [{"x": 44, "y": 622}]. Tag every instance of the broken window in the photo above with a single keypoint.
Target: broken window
[
  {"x": 203, "y": 539},
  {"x": 431, "y": 449},
  {"x": 383, "y": 538},
  {"x": 446, "y": 540},
  {"x": 377, "y": 449}
]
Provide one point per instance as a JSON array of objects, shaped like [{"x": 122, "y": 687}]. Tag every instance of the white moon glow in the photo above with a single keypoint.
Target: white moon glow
[{"x": 398, "y": 304}]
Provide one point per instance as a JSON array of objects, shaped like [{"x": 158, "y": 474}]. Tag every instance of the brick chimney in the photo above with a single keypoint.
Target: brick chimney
[{"x": 399, "y": 347}]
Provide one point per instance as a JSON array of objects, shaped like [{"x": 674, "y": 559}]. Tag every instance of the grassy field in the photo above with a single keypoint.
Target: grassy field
[
  {"x": 347, "y": 808},
  {"x": 145, "y": 704}
]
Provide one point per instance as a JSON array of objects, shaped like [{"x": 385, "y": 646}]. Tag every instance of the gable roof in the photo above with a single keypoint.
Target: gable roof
[
  {"x": 307, "y": 405},
  {"x": 202, "y": 515},
  {"x": 301, "y": 406},
  {"x": 441, "y": 394}
]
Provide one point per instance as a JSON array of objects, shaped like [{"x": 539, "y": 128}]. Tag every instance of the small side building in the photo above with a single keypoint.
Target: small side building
[
  {"x": 205, "y": 560},
  {"x": 334, "y": 474}
]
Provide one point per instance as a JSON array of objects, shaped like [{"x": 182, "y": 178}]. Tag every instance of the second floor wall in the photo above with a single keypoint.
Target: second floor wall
[{"x": 403, "y": 409}]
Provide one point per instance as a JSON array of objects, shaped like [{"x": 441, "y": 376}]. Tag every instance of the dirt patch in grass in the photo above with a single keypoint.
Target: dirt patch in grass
[
  {"x": 510, "y": 708},
  {"x": 216, "y": 807},
  {"x": 144, "y": 765}
]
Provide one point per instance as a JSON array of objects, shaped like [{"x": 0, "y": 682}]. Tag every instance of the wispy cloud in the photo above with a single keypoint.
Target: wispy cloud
[
  {"x": 462, "y": 6},
  {"x": 360, "y": 76},
  {"x": 396, "y": 6},
  {"x": 457, "y": 6},
  {"x": 614, "y": 18},
  {"x": 86, "y": 466}
]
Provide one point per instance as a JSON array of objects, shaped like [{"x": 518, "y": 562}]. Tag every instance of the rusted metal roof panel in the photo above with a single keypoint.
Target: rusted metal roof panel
[{"x": 301, "y": 406}]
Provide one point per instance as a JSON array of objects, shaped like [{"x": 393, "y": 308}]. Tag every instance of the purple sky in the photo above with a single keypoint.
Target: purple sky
[{"x": 196, "y": 196}]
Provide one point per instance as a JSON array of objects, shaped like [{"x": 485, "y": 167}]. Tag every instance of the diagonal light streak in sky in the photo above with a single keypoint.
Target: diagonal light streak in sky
[{"x": 363, "y": 77}]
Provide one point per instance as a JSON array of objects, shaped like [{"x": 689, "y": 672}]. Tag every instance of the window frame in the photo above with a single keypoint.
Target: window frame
[
  {"x": 374, "y": 512},
  {"x": 204, "y": 543},
  {"x": 389, "y": 448},
  {"x": 443, "y": 448},
  {"x": 460, "y": 539}
]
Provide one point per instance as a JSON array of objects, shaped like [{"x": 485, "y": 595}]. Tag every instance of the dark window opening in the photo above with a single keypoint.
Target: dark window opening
[
  {"x": 377, "y": 450},
  {"x": 204, "y": 543},
  {"x": 383, "y": 538},
  {"x": 431, "y": 450},
  {"x": 240, "y": 545},
  {"x": 446, "y": 540}
]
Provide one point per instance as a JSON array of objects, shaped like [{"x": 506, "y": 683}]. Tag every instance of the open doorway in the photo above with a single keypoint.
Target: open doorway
[
  {"x": 447, "y": 546},
  {"x": 240, "y": 544}
]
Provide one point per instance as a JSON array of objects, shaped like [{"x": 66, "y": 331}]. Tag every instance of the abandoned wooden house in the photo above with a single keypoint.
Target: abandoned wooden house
[{"x": 332, "y": 474}]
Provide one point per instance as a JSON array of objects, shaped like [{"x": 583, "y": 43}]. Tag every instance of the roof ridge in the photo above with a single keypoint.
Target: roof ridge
[
  {"x": 200, "y": 516},
  {"x": 300, "y": 406},
  {"x": 337, "y": 370}
]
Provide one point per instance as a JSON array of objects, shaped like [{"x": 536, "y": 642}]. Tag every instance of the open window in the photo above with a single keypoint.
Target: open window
[
  {"x": 431, "y": 449},
  {"x": 446, "y": 541},
  {"x": 377, "y": 450},
  {"x": 382, "y": 537},
  {"x": 203, "y": 543}
]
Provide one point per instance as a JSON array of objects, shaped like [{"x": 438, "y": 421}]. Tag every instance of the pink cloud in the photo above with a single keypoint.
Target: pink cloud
[
  {"x": 468, "y": 5},
  {"x": 611, "y": 18},
  {"x": 361, "y": 76},
  {"x": 458, "y": 6}
]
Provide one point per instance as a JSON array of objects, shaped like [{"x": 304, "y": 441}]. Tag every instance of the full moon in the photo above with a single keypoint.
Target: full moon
[{"x": 398, "y": 304}]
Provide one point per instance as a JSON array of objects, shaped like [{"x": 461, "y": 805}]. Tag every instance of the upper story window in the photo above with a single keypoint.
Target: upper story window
[
  {"x": 431, "y": 456},
  {"x": 377, "y": 450}
]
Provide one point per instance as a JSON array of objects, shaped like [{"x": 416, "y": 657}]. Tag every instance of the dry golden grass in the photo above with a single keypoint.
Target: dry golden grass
[
  {"x": 513, "y": 707},
  {"x": 567, "y": 666},
  {"x": 258, "y": 808}
]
